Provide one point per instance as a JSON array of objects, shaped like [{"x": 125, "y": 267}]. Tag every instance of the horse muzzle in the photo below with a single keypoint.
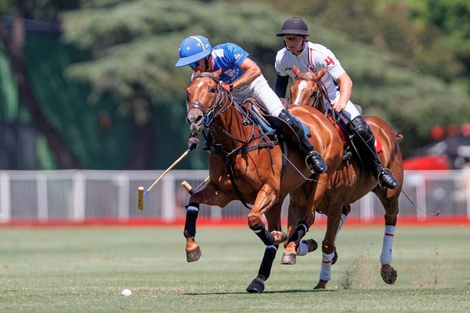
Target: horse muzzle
[{"x": 195, "y": 120}]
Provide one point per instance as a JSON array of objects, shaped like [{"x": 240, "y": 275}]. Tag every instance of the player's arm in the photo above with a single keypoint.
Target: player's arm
[
  {"x": 252, "y": 71},
  {"x": 280, "y": 87}
]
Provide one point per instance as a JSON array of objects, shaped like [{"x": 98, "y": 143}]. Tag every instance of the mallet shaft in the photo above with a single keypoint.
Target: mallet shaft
[
  {"x": 190, "y": 189},
  {"x": 166, "y": 171},
  {"x": 140, "y": 191}
]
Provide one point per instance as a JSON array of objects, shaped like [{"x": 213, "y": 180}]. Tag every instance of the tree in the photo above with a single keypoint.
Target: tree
[{"x": 13, "y": 39}]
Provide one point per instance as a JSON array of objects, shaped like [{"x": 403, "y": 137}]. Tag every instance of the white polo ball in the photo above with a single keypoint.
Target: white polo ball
[{"x": 126, "y": 292}]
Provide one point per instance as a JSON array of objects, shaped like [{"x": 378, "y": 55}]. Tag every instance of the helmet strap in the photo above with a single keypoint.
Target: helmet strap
[
  {"x": 301, "y": 48},
  {"x": 207, "y": 62}
]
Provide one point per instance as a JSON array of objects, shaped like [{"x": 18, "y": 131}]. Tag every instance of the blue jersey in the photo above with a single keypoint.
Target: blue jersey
[{"x": 229, "y": 57}]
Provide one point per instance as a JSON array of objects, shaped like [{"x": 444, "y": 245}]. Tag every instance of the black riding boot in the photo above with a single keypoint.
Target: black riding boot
[
  {"x": 313, "y": 159},
  {"x": 364, "y": 139}
]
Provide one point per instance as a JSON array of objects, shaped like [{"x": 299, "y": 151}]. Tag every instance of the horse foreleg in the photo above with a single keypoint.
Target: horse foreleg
[
  {"x": 257, "y": 285},
  {"x": 193, "y": 252},
  {"x": 273, "y": 217},
  {"x": 300, "y": 218},
  {"x": 209, "y": 195},
  {"x": 388, "y": 273},
  {"x": 328, "y": 250},
  {"x": 344, "y": 216},
  {"x": 264, "y": 201}
]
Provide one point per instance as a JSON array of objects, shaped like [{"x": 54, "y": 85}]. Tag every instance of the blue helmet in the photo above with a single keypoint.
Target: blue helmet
[{"x": 192, "y": 49}]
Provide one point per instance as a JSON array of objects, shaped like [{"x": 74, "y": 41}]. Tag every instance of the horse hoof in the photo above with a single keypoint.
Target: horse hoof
[
  {"x": 194, "y": 255},
  {"x": 288, "y": 258},
  {"x": 335, "y": 258},
  {"x": 279, "y": 237},
  {"x": 256, "y": 286},
  {"x": 312, "y": 245},
  {"x": 389, "y": 274},
  {"x": 321, "y": 284}
]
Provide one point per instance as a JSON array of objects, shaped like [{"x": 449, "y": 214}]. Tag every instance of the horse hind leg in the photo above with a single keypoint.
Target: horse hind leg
[
  {"x": 389, "y": 200},
  {"x": 387, "y": 272}
]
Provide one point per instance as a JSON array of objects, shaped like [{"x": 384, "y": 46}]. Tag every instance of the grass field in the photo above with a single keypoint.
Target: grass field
[{"x": 84, "y": 269}]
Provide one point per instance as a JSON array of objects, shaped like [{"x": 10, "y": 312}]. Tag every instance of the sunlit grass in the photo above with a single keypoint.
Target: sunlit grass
[{"x": 85, "y": 269}]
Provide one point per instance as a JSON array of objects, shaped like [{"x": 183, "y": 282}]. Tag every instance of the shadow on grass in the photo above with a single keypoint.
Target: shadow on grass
[{"x": 266, "y": 292}]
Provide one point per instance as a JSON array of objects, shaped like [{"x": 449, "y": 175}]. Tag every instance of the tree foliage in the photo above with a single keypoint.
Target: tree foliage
[{"x": 408, "y": 59}]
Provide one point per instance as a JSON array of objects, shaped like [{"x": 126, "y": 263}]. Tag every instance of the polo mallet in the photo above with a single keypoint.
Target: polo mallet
[
  {"x": 140, "y": 191},
  {"x": 190, "y": 189}
]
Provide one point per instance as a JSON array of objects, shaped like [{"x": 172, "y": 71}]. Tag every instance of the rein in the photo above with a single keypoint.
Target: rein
[{"x": 224, "y": 100}]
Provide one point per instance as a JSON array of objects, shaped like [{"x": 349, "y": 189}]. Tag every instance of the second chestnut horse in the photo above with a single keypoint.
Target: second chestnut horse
[{"x": 350, "y": 182}]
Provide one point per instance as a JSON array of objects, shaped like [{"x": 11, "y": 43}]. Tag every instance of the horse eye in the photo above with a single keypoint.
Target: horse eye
[{"x": 212, "y": 89}]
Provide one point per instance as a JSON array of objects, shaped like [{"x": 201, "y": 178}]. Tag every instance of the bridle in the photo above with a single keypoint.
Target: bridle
[
  {"x": 210, "y": 114},
  {"x": 315, "y": 94}
]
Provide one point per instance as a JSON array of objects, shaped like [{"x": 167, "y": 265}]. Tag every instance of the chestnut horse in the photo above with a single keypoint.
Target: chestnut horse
[
  {"x": 348, "y": 183},
  {"x": 252, "y": 166}
]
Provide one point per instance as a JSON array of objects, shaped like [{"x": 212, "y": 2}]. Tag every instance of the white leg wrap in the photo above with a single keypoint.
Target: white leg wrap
[
  {"x": 341, "y": 223},
  {"x": 303, "y": 249},
  {"x": 386, "y": 256},
  {"x": 325, "y": 272}
]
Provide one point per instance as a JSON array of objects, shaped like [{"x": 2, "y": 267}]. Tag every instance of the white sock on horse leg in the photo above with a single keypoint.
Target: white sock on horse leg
[
  {"x": 341, "y": 223},
  {"x": 325, "y": 272},
  {"x": 386, "y": 256}
]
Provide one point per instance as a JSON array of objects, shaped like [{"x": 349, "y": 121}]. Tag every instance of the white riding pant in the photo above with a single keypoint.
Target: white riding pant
[
  {"x": 350, "y": 110},
  {"x": 262, "y": 92}
]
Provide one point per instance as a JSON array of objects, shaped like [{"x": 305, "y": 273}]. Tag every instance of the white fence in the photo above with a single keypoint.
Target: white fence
[{"x": 80, "y": 196}]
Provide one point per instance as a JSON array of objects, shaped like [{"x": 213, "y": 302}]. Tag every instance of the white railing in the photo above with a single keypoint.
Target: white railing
[{"x": 79, "y": 196}]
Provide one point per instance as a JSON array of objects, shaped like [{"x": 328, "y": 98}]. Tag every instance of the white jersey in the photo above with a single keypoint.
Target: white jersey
[{"x": 315, "y": 57}]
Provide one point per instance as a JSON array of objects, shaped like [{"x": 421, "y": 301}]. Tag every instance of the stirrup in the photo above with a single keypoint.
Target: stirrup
[
  {"x": 315, "y": 160},
  {"x": 386, "y": 179}
]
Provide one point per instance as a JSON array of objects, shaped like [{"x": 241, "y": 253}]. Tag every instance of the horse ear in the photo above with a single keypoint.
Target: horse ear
[
  {"x": 217, "y": 73},
  {"x": 296, "y": 71},
  {"x": 320, "y": 74}
]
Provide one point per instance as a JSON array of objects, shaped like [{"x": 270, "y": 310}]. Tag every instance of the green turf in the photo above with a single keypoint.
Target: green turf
[{"x": 85, "y": 269}]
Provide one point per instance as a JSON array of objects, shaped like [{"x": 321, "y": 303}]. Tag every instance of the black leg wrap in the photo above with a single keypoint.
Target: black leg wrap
[
  {"x": 190, "y": 223},
  {"x": 299, "y": 233},
  {"x": 266, "y": 237},
  {"x": 267, "y": 262}
]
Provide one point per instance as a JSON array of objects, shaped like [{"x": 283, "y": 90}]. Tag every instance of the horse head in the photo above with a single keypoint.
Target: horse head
[
  {"x": 306, "y": 88},
  {"x": 205, "y": 100}
]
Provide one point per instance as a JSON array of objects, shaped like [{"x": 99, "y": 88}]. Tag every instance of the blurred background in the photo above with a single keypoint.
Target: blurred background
[{"x": 90, "y": 85}]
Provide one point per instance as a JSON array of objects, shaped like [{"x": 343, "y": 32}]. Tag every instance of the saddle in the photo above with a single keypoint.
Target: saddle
[
  {"x": 344, "y": 133},
  {"x": 267, "y": 121}
]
